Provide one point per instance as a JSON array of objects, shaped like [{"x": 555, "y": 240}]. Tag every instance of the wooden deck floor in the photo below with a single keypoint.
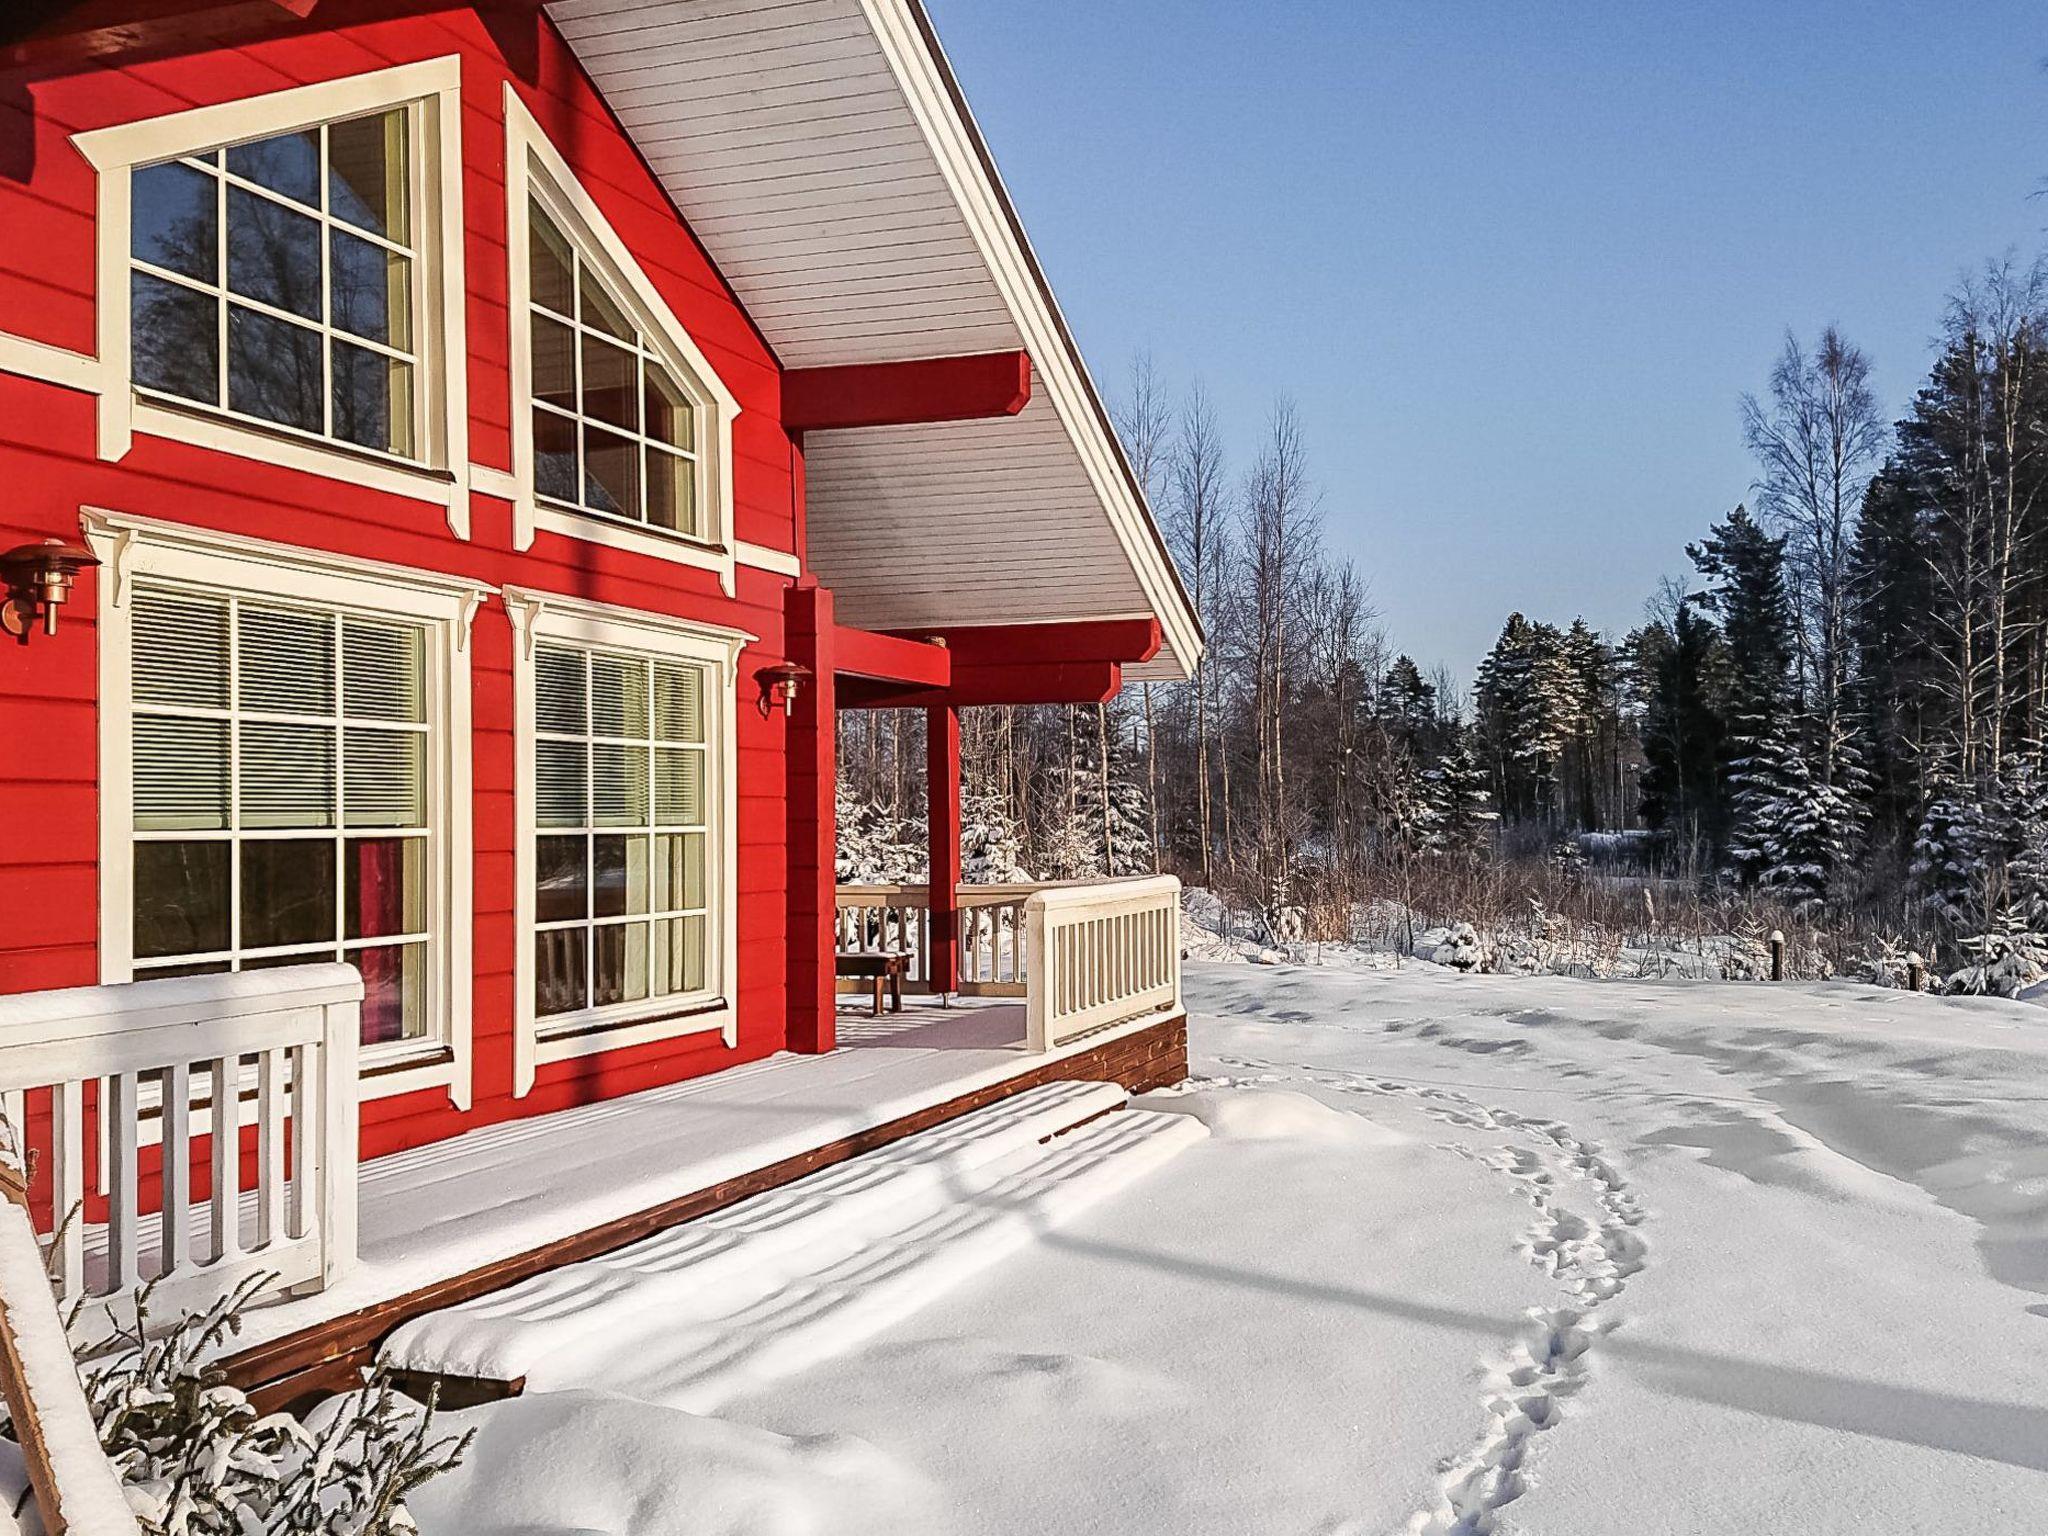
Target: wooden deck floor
[{"x": 465, "y": 1217}]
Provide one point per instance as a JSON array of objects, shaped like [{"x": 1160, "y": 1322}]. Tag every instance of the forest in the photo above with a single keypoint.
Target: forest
[{"x": 1829, "y": 719}]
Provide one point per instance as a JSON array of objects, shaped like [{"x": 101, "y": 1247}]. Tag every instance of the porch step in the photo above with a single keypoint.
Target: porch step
[{"x": 775, "y": 1283}]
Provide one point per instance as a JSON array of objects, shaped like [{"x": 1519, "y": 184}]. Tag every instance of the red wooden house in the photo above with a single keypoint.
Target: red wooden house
[{"x": 509, "y": 434}]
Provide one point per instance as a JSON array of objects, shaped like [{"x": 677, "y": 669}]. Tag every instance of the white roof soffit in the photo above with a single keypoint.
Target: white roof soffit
[{"x": 823, "y": 153}]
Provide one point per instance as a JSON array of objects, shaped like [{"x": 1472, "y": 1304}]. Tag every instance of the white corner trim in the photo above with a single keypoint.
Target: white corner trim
[
  {"x": 32, "y": 359},
  {"x": 764, "y": 558},
  {"x": 1059, "y": 370},
  {"x": 527, "y": 150},
  {"x": 131, "y": 546},
  {"x": 537, "y": 614},
  {"x": 444, "y": 357}
]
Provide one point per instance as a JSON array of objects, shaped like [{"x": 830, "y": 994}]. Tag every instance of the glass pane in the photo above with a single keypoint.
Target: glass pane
[
  {"x": 274, "y": 369},
  {"x": 288, "y": 163},
  {"x": 550, "y": 267},
  {"x": 394, "y": 992},
  {"x": 385, "y": 890},
  {"x": 679, "y": 788},
  {"x": 373, "y": 400},
  {"x": 180, "y": 649},
  {"x": 611, "y": 473},
  {"x": 287, "y": 892},
  {"x": 672, "y": 492},
  {"x": 621, "y": 963},
  {"x": 678, "y": 955},
  {"x": 679, "y": 872},
  {"x": 620, "y": 887},
  {"x": 561, "y": 879},
  {"x": 174, "y": 214},
  {"x": 174, "y": 334},
  {"x": 554, "y": 457},
  {"x": 287, "y": 775},
  {"x": 181, "y": 898},
  {"x": 370, "y": 289},
  {"x": 670, "y": 418},
  {"x": 619, "y": 786},
  {"x": 559, "y": 982},
  {"x": 181, "y": 775},
  {"x": 273, "y": 254},
  {"x": 618, "y": 696},
  {"x": 385, "y": 778},
  {"x": 561, "y": 798},
  {"x": 366, "y": 174},
  {"x": 678, "y": 703},
  {"x": 554, "y": 363},
  {"x": 599, "y": 312},
  {"x": 608, "y": 392},
  {"x": 383, "y": 670},
  {"x": 286, "y": 660},
  {"x": 559, "y": 700}
]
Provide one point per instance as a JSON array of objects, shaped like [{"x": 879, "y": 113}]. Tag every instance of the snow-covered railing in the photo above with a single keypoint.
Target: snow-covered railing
[
  {"x": 1099, "y": 955},
  {"x": 883, "y": 918},
  {"x": 176, "y": 1063}
]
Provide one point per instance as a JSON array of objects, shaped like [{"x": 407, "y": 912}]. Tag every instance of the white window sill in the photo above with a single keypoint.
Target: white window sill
[
  {"x": 590, "y": 1035},
  {"x": 203, "y": 430},
  {"x": 638, "y": 541}
]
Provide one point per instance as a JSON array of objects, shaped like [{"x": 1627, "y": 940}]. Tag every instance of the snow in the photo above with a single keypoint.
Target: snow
[{"x": 1628, "y": 1258}]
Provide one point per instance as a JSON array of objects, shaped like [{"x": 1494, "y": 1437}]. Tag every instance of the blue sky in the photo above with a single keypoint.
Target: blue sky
[{"x": 1516, "y": 263}]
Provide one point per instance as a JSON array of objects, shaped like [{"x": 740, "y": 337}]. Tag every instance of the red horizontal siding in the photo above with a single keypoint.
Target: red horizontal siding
[{"x": 48, "y": 901}]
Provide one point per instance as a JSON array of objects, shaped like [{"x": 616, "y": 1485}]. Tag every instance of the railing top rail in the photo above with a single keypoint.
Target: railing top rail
[
  {"x": 138, "y": 1006},
  {"x": 851, "y": 892},
  {"x": 1082, "y": 893}
]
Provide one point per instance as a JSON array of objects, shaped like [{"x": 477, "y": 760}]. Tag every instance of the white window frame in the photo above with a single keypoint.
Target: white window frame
[
  {"x": 433, "y": 87},
  {"x": 130, "y": 547},
  {"x": 538, "y": 616},
  {"x": 534, "y": 167}
]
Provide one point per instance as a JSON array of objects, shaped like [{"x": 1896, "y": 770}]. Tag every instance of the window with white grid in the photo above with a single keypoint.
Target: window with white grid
[
  {"x": 279, "y": 280},
  {"x": 614, "y": 428},
  {"x": 281, "y": 759},
  {"x": 622, "y": 834}
]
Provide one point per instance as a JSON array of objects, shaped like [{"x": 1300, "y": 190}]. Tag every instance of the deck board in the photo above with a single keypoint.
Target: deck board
[{"x": 461, "y": 1218}]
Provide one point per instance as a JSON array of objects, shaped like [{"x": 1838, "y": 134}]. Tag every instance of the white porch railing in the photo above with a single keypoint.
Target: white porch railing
[
  {"x": 109, "y": 1067},
  {"x": 878, "y": 918},
  {"x": 1083, "y": 954},
  {"x": 1100, "y": 954}
]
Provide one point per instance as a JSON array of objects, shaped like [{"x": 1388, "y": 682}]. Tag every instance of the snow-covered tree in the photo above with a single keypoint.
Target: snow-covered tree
[
  {"x": 990, "y": 846},
  {"x": 875, "y": 847},
  {"x": 1093, "y": 840},
  {"x": 1792, "y": 834},
  {"x": 1454, "y": 814}
]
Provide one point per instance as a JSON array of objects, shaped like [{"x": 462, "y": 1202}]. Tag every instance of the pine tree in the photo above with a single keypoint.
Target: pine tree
[
  {"x": 1949, "y": 850},
  {"x": 990, "y": 846},
  {"x": 1075, "y": 845},
  {"x": 1453, "y": 815},
  {"x": 1684, "y": 735},
  {"x": 875, "y": 848}
]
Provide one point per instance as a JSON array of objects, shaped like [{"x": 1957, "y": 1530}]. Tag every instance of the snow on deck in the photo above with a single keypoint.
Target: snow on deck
[{"x": 442, "y": 1210}]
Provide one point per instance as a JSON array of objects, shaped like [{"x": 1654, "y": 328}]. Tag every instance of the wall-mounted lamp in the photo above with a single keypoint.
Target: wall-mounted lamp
[
  {"x": 781, "y": 682},
  {"x": 39, "y": 579}
]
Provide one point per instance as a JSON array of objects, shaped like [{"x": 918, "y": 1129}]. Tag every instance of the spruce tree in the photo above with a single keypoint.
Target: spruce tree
[
  {"x": 1453, "y": 816},
  {"x": 1684, "y": 735}
]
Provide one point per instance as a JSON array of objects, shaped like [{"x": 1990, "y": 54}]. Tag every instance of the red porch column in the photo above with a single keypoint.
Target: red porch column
[
  {"x": 942, "y": 825},
  {"x": 813, "y": 826}
]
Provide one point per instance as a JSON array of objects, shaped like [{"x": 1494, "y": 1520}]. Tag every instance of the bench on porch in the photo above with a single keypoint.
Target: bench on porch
[{"x": 884, "y": 967}]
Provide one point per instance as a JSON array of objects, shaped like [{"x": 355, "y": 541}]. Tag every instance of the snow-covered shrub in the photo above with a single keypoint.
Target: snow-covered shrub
[
  {"x": 1462, "y": 949},
  {"x": 2003, "y": 963},
  {"x": 875, "y": 846},
  {"x": 197, "y": 1459},
  {"x": 990, "y": 846}
]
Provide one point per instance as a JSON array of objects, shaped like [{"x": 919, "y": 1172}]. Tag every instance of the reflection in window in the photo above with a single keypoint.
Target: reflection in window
[
  {"x": 280, "y": 787},
  {"x": 277, "y": 280},
  {"x": 620, "y": 889},
  {"x": 613, "y": 430}
]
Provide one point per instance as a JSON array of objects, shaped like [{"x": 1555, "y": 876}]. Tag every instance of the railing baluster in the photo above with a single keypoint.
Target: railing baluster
[
  {"x": 227, "y": 1155},
  {"x": 67, "y": 1186},
  {"x": 176, "y": 1230},
  {"x": 305, "y": 1115},
  {"x": 121, "y": 1108},
  {"x": 270, "y": 1179}
]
